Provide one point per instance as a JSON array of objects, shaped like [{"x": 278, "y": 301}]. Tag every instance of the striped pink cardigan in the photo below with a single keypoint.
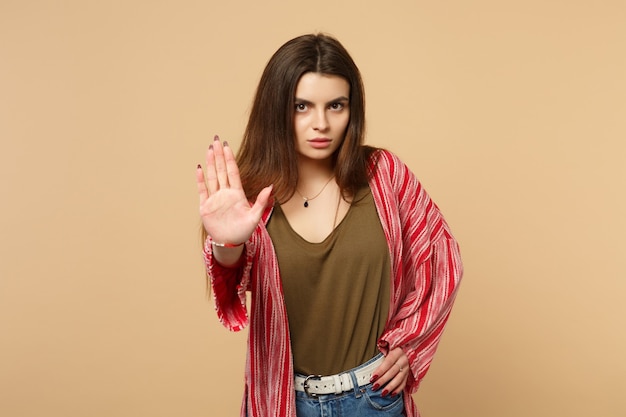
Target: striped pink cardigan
[{"x": 426, "y": 270}]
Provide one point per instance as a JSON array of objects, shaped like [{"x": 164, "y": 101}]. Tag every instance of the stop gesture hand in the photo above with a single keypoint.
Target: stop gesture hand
[{"x": 227, "y": 215}]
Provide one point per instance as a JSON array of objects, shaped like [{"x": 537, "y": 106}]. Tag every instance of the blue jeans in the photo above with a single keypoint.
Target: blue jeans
[{"x": 360, "y": 402}]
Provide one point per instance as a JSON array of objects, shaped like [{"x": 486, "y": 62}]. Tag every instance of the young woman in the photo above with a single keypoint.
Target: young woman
[{"x": 351, "y": 267}]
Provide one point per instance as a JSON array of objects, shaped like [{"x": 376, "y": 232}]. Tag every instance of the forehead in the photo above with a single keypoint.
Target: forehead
[{"x": 315, "y": 86}]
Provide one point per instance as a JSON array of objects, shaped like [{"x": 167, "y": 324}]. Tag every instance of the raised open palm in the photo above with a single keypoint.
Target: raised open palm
[{"x": 227, "y": 215}]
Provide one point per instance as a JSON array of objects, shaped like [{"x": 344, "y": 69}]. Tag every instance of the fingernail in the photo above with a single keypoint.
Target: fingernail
[
  {"x": 375, "y": 387},
  {"x": 374, "y": 378},
  {"x": 199, "y": 166},
  {"x": 216, "y": 138},
  {"x": 210, "y": 147},
  {"x": 225, "y": 143},
  {"x": 384, "y": 394}
]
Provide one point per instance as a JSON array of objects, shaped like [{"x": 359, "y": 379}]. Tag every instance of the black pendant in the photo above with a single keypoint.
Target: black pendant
[{"x": 306, "y": 204}]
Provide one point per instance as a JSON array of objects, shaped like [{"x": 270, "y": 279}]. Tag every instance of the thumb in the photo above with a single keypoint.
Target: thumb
[{"x": 262, "y": 201}]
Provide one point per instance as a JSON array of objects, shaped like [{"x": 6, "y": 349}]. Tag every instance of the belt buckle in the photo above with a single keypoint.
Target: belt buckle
[{"x": 306, "y": 385}]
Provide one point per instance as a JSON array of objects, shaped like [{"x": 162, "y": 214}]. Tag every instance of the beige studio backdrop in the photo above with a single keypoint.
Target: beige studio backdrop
[{"x": 512, "y": 113}]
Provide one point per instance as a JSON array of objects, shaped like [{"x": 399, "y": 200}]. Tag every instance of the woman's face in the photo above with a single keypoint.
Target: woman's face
[{"x": 321, "y": 115}]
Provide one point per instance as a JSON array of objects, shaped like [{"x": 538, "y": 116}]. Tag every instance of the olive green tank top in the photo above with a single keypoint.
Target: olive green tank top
[{"x": 336, "y": 291}]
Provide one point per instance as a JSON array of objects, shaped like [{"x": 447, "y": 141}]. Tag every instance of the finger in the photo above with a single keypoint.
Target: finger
[
  {"x": 232, "y": 170},
  {"x": 393, "y": 381},
  {"x": 220, "y": 163},
  {"x": 386, "y": 376},
  {"x": 398, "y": 382},
  {"x": 203, "y": 192},
  {"x": 395, "y": 363},
  {"x": 389, "y": 361},
  {"x": 397, "y": 374},
  {"x": 396, "y": 385},
  {"x": 211, "y": 176}
]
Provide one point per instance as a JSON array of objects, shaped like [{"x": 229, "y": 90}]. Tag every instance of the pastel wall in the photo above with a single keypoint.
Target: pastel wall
[{"x": 511, "y": 113}]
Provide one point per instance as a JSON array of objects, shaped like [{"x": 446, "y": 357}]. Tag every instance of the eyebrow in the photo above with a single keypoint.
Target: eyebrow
[{"x": 341, "y": 98}]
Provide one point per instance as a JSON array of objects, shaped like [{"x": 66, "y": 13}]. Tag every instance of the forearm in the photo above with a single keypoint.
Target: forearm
[{"x": 228, "y": 284}]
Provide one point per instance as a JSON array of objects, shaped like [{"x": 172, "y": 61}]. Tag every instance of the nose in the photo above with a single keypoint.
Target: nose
[{"x": 320, "y": 121}]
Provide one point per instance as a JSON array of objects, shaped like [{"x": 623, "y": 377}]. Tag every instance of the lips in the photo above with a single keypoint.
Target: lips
[{"x": 319, "y": 143}]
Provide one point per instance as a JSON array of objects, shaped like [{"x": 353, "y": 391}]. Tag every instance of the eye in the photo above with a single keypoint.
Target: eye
[
  {"x": 301, "y": 107},
  {"x": 336, "y": 106}
]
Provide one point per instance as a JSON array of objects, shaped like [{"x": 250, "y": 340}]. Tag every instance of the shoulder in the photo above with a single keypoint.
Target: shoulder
[
  {"x": 385, "y": 164},
  {"x": 381, "y": 155}
]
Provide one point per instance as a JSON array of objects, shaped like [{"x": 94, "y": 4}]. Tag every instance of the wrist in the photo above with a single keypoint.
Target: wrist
[
  {"x": 226, "y": 244},
  {"x": 225, "y": 253}
]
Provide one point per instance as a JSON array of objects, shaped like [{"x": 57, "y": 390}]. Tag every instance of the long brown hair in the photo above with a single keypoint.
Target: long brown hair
[{"x": 267, "y": 154}]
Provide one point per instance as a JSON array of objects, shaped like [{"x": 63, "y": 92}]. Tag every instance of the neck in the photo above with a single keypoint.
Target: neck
[
  {"x": 314, "y": 176},
  {"x": 311, "y": 170}
]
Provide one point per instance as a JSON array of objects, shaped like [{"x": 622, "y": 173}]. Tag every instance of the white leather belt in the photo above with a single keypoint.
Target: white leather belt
[{"x": 314, "y": 385}]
